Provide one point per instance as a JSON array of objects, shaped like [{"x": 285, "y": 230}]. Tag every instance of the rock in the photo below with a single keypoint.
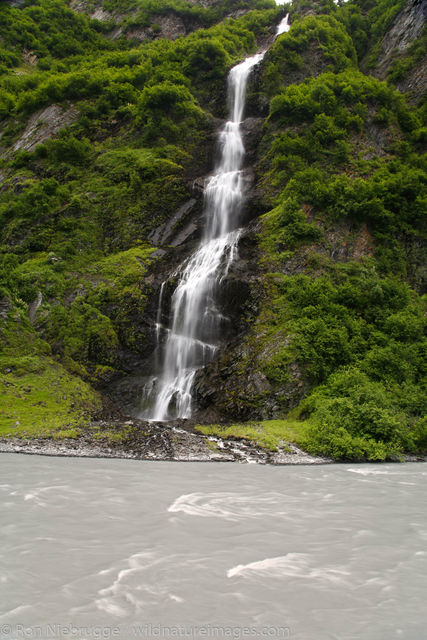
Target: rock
[
  {"x": 185, "y": 234},
  {"x": 161, "y": 235},
  {"x": 34, "y": 306},
  {"x": 405, "y": 29},
  {"x": 30, "y": 57},
  {"x": 5, "y": 308},
  {"x": 44, "y": 125},
  {"x": 159, "y": 253},
  {"x": 149, "y": 441},
  {"x": 170, "y": 26},
  {"x": 101, "y": 14}
]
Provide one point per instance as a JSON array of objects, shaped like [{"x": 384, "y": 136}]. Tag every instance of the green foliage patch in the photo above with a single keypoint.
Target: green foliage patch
[{"x": 269, "y": 434}]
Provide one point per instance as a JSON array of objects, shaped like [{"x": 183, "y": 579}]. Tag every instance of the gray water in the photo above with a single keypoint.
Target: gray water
[{"x": 121, "y": 547}]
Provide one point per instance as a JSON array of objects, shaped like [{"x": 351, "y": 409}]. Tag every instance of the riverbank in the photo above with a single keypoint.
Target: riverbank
[{"x": 141, "y": 440}]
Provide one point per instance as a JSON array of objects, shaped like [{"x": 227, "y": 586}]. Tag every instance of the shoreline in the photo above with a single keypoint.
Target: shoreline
[
  {"x": 148, "y": 441},
  {"x": 178, "y": 442}
]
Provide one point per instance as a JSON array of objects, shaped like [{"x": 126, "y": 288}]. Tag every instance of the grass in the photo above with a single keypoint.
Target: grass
[
  {"x": 46, "y": 402},
  {"x": 125, "y": 267},
  {"x": 269, "y": 434}
]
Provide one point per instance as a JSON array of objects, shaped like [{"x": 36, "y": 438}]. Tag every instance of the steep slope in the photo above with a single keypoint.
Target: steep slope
[
  {"x": 105, "y": 148},
  {"x": 101, "y": 143},
  {"x": 336, "y": 325}
]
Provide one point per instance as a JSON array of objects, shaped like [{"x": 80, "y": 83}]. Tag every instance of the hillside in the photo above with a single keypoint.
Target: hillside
[{"x": 109, "y": 115}]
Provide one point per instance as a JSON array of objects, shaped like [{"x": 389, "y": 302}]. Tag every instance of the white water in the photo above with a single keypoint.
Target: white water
[
  {"x": 192, "y": 338},
  {"x": 195, "y": 327},
  {"x": 283, "y": 26}
]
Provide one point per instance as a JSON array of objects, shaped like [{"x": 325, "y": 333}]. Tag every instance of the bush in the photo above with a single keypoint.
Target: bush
[
  {"x": 83, "y": 334},
  {"x": 353, "y": 417}
]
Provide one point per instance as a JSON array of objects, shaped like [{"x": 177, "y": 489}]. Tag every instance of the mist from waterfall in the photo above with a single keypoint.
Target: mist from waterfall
[{"x": 195, "y": 327}]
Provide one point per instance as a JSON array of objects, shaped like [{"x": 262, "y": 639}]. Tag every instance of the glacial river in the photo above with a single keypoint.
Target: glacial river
[{"x": 129, "y": 549}]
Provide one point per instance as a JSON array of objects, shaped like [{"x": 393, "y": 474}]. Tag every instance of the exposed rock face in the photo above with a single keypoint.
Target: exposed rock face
[
  {"x": 34, "y": 306},
  {"x": 5, "y": 308},
  {"x": 101, "y": 15},
  {"x": 405, "y": 30},
  {"x": 44, "y": 125},
  {"x": 30, "y": 57},
  {"x": 168, "y": 26},
  {"x": 204, "y": 3},
  {"x": 97, "y": 13}
]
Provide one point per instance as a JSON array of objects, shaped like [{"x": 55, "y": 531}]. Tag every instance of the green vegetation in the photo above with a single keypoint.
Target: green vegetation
[
  {"x": 346, "y": 333},
  {"x": 335, "y": 345},
  {"x": 269, "y": 434},
  {"x": 76, "y": 208},
  {"x": 314, "y": 43},
  {"x": 37, "y": 394},
  {"x": 39, "y": 397}
]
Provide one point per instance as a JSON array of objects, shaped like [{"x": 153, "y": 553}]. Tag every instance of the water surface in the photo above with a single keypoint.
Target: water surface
[{"x": 337, "y": 551}]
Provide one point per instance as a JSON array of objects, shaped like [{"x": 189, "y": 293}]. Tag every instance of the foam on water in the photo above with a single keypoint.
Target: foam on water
[
  {"x": 229, "y": 506},
  {"x": 372, "y": 472},
  {"x": 322, "y": 551},
  {"x": 295, "y": 565}
]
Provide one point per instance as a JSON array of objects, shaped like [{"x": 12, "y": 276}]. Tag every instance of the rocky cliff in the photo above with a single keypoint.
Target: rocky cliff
[{"x": 108, "y": 129}]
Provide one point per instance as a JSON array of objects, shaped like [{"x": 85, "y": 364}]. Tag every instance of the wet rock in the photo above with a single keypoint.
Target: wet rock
[
  {"x": 165, "y": 232},
  {"x": 187, "y": 233}
]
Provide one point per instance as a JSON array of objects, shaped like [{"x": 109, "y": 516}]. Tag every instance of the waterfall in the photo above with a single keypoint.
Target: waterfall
[
  {"x": 194, "y": 331},
  {"x": 283, "y": 26}
]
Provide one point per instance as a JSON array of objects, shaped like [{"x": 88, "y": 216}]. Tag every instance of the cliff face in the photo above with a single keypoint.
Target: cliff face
[
  {"x": 108, "y": 133},
  {"x": 406, "y": 36},
  {"x": 140, "y": 21}
]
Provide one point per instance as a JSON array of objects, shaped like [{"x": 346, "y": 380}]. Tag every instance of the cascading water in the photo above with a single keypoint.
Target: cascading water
[
  {"x": 283, "y": 25},
  {"x": 192, "y": 338}
]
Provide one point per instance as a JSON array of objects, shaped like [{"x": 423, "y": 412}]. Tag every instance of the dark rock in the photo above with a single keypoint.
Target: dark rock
[
  {"x": 159, "y": 253},
  {"x": 162, "y": 234},
  {"x": 185, "y": 234}
]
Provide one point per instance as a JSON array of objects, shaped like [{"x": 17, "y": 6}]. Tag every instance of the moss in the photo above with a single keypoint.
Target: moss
[
  {"x": 124, "y": 268},
  {"x": 269, "y": 434},
  {"x": 45, "y": 401}
]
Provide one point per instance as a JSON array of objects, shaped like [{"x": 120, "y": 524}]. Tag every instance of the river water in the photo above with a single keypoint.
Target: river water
[{"x": 128, "y": 549}]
